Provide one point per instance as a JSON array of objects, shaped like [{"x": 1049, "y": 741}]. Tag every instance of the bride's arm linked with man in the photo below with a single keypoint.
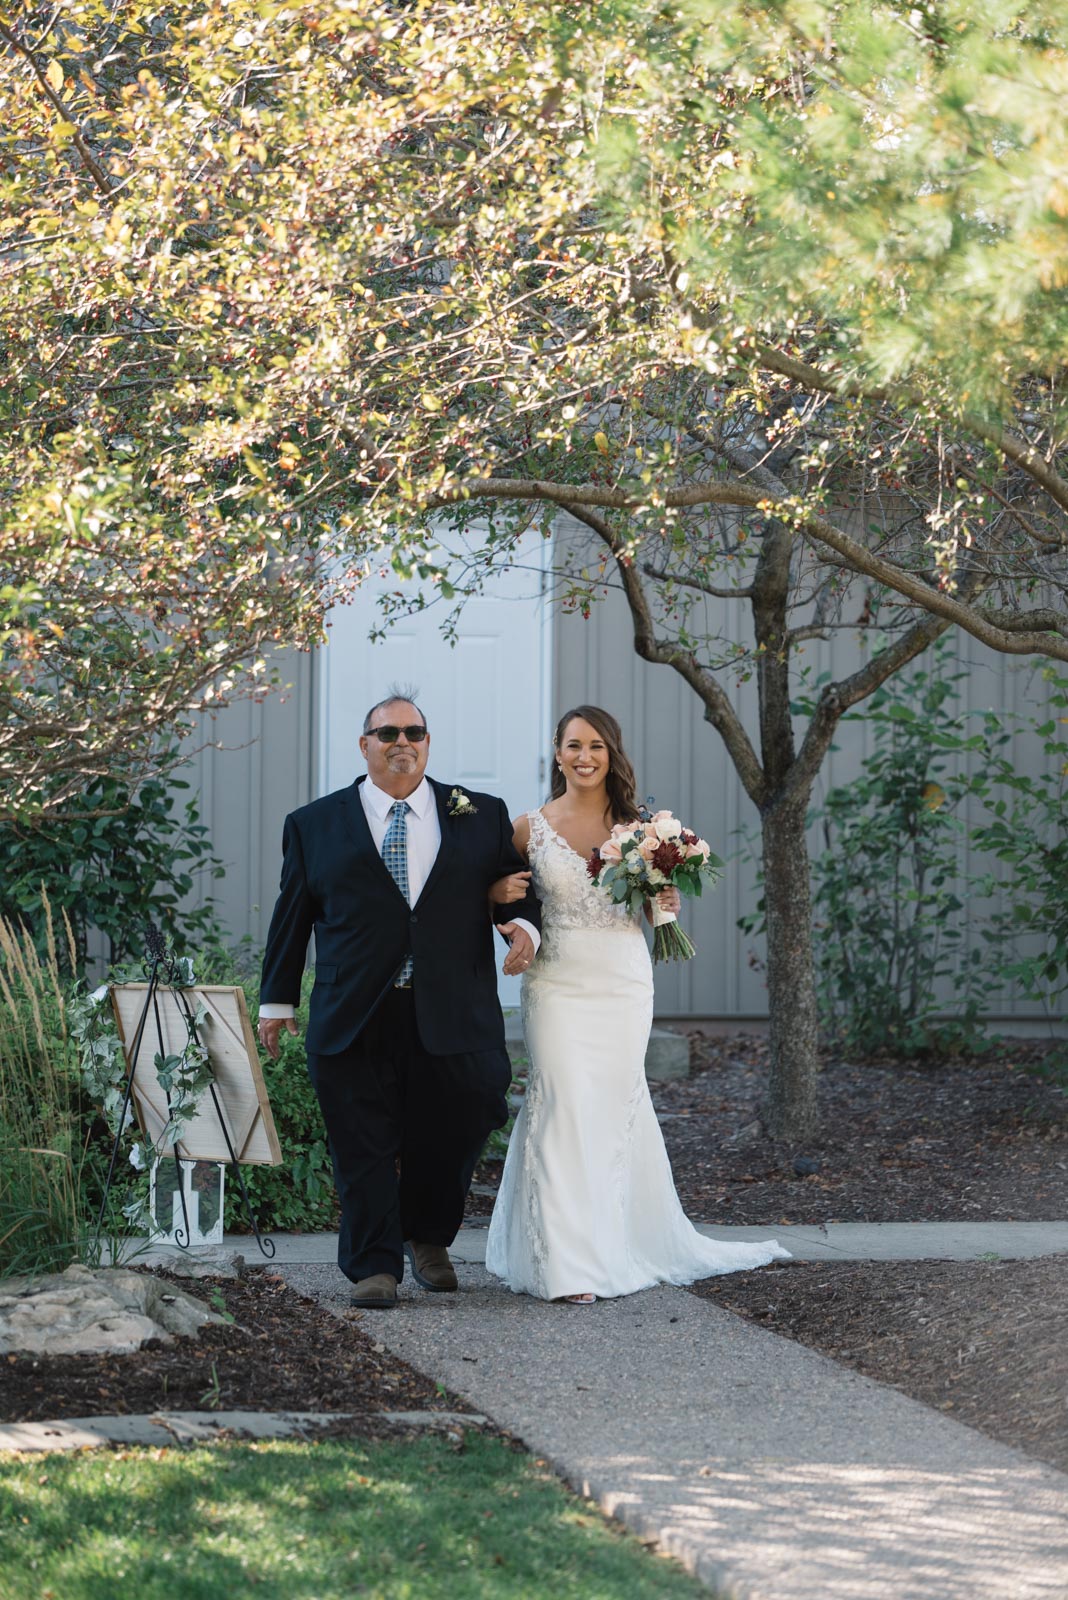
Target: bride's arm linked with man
[{"x": 402, "y": 880}]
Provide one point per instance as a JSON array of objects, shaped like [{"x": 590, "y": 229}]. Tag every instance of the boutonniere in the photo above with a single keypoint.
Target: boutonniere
[{"x": 460, "y": 804}]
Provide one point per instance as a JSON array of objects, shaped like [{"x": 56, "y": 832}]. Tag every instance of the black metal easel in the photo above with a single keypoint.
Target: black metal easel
[{"x": 162, "y": 971}]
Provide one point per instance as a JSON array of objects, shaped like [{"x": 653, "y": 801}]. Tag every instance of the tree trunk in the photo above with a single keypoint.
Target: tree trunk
[{"x": 790, "y": 1112}]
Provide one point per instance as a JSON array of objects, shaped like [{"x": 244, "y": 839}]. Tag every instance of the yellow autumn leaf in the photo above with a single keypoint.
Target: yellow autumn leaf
[
  {"x": 54, "y": 74},
  {"x": 601, "y": 441},
  {"x": 933, "y": 796},
  {"x": 431, "y": 402}
]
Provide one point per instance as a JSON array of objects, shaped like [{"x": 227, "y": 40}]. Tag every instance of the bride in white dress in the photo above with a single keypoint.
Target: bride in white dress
[{"x": 587, "y": 1207}]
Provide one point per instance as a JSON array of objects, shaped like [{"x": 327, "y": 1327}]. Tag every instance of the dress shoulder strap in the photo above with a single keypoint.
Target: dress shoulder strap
[{"x": 539, "y": 827}]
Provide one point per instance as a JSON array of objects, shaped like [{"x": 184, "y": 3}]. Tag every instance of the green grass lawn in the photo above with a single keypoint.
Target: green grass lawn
[{"x": 399, "y": 1520}]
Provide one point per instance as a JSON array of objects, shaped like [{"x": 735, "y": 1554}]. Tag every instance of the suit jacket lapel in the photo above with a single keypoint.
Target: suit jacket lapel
[{"x": 441, "y": 795}]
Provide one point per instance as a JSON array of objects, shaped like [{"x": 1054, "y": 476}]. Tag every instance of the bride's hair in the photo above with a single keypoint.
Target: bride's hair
[{"x": 620, "y": 783}]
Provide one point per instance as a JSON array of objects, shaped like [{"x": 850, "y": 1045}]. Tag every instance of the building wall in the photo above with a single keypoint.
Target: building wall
[
  {"x": 268, "y": 764},
  {"x": 682, "y": 763},
  {"x": 260, "y": 764}
]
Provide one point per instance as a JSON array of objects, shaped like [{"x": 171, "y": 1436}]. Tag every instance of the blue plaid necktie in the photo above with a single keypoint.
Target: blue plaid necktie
[{"x": 395, "y": 855}]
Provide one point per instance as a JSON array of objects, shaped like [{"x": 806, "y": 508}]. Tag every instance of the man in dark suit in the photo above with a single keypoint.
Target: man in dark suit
[{"x": 405, "y": 1036}]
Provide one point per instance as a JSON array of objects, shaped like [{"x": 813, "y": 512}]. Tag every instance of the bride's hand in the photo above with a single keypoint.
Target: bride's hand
[
  {"x": 670, "y": 899},
  {"x": 512, "y": 888}
]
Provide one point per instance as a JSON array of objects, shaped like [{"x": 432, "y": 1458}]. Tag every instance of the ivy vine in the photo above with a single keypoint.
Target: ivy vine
[{"x": 183, "y": 1075}]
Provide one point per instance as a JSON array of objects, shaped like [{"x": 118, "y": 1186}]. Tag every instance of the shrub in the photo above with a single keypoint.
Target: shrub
[
  {"x": 134, "y": 863},
  {"x": 298, "y": 1196},
  {"x": 889, "y": 929}
]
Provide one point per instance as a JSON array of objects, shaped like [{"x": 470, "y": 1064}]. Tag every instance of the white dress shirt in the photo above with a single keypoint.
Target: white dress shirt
[
  {"x": 423, "y": 830},
  {"x": 424, "y": 842}
]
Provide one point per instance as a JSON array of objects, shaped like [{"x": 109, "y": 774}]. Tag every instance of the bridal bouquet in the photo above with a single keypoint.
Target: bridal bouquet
[{"x": 640, "y": 859}]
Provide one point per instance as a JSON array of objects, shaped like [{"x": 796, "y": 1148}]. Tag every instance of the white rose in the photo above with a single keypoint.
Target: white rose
[
  {"x": 667, "y": 827},
  {"x": 635, "y": 862},
  {"x": 657, "y": 879}
]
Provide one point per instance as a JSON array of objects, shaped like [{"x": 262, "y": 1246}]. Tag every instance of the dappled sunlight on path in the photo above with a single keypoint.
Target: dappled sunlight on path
[{"x": 769, "y": 1469}]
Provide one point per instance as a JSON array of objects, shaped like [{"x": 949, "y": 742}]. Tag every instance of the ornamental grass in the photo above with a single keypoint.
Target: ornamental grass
[{"x": 40, "y": 1137}]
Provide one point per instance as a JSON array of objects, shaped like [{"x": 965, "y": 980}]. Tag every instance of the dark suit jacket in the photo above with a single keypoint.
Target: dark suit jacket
[{"x": 335, "y": 884}]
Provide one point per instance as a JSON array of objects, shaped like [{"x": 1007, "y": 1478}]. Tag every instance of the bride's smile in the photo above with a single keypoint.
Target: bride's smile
[{"x": 583, "y": 755}]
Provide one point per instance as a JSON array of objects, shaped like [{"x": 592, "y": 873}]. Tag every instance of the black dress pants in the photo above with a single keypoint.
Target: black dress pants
[{"x": 387, "y": 1103}]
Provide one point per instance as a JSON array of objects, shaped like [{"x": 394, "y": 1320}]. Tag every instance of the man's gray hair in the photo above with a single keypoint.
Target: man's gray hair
[{"x": 397, "y": 691}]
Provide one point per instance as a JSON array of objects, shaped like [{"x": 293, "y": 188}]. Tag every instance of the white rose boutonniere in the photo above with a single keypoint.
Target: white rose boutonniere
[{"x": 460, "y": 804}]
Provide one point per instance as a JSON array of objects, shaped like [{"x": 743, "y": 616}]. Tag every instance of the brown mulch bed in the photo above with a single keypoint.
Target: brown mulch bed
[
  {"x": 282, "y": 1352},
  {"x": 912, "y": 1141},
  {"x": 982, "y": 1341}
]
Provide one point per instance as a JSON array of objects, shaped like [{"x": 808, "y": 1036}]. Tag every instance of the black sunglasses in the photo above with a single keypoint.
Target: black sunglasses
[{"x": 414, "y": 735}]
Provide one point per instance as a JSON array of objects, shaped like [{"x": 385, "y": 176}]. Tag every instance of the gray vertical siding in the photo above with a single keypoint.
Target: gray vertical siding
[
  {"x": 682, "y": 761},
  {"x": 260, "y": 765}
]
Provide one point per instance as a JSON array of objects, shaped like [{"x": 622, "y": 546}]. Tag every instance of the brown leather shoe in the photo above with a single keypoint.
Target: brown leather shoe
[
  {"x": 377, "y": 1293},
  {"x": 431, "y": 1267}
]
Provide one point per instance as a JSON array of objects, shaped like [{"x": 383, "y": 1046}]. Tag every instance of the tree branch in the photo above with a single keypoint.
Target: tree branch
[
  {"x": 837, "y": 698},
  {"x": 718, "y": 709},
  {"x": 1019, "y": 621},
  {"x": 733, "y": 493},
  {"x": 1010, "y": 444},
  {"x": 95, "y": 170},
  {"x": 695, "y": 583}
]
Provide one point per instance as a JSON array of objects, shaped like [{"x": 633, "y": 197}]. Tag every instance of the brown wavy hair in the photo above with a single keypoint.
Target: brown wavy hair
[{"x": 621, "y": 784}]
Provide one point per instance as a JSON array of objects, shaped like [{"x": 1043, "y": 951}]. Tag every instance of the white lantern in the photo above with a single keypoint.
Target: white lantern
[{"x": 202, "y": 1187}]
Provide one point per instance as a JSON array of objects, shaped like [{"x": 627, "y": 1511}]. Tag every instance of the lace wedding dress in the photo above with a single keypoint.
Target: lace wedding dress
[{"x": 587, "y": 1201}]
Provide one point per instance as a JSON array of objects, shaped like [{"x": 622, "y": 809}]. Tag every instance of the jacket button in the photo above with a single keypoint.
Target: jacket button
[{"x": 415, "y": 919}]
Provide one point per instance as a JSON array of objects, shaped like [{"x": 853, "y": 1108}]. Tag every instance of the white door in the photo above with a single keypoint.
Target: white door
[{"x": 486, "y": 698}]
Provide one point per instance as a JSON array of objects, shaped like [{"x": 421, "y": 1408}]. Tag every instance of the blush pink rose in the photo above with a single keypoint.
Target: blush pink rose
[{"x": 611, "y": 852}]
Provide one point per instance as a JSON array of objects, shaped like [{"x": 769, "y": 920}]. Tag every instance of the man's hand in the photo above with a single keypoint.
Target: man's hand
[
  {"x": 521, "y": 953},
  {"x": 505, "y": 890},
  {"x": 269, "y": 1030}
]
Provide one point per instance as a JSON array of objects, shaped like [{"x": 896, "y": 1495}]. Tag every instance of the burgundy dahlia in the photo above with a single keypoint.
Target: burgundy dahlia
[{"x": 666, "y": 856}]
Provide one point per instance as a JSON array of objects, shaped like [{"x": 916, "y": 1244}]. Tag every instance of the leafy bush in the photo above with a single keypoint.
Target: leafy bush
[
  {"x": 298, "y": 1196},
  {"x": 889, "y": 924},
  {"x": 134, "y": 863}
]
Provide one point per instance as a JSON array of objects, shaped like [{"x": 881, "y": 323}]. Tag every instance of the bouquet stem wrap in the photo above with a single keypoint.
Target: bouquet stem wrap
[{"x": 669, "y": 941}]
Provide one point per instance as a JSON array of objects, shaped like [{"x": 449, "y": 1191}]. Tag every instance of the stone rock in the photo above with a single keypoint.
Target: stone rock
[
  {"x": 806, "y": 1166},
  {"x": 86, "y": 1312},
  {"x": 667, "y": 1056},
  {"x": 208, "y": 1261}
]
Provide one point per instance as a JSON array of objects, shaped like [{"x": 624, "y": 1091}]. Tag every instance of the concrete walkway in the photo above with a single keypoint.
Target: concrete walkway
[
  {"x": 771, "y": 1471},
  {"x": 838, "y": 1241}
]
